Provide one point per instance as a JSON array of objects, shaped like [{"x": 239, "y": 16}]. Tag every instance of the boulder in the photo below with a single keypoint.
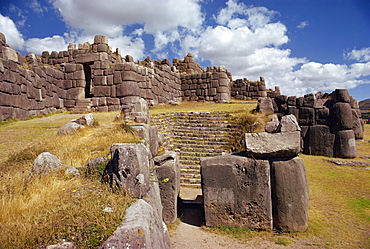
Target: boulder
[
  {"x": 87, "y": 119},
  {"x": 265, "y": 144},
  {"x": 342, "y": 116},
  {"x": 45, "y": 164},
  {"x": 288, "y": 123},
  {"x": 167, "y": 170},
  {"x": 140, "y": 229},
  {"x": 341, "y": 95},
  {"x": 319, "y": 141},
  {"x": 272, "y": 127},
  {"x": 62, "y": 245},
  {"x": 265, "y": 105},
  {"x": 345, "y": 144},
  {"x": 357, "y": 127},
  {"x": 69, "y": 129},
  {"x": 290, "y": 194},
  {"x": 129, "y": 168},
  {"x": 236, "y": 192}
]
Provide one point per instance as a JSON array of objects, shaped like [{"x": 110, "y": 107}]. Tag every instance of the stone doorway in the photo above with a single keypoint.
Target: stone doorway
[{"x": 89, "y": 90}]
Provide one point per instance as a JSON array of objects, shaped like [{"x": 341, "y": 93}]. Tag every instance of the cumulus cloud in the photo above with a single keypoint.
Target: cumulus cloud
[
  {"x": 362, "y": 55},
  {"x": 13, "y": 37},
  {"x": 37, "y": 45}
]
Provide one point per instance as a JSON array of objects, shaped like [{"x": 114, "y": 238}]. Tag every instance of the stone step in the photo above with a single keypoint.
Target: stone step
[{"x": 190, "y": 185}]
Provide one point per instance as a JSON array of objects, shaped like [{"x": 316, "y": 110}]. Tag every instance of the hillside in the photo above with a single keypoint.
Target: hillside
[{"x": 365, "y": 108}]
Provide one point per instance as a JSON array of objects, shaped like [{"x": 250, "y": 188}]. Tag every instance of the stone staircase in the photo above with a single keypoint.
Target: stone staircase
[
  {"x": 194, "y": 135},
  {"x": 82, "y": 106}
]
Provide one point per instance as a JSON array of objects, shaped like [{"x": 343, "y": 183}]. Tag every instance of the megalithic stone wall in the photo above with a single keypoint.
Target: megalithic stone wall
[{"x": 330, "y": 122}]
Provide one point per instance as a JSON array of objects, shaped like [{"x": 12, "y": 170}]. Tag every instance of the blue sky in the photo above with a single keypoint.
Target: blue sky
[{"x": 304, "y": 46}]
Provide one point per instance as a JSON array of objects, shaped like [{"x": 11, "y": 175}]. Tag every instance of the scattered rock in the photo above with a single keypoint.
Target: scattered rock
[
  {"x": 69, "y": 129},
  {"x": 87, "y": 119},
  {"x": 62, "y": 245},
  {"x": 46, "y": 163}
]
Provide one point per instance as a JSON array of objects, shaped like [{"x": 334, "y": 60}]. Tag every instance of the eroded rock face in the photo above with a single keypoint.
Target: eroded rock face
[
  {"x": 236, "y": 192},
  {"x": 140, "y": 229},
  {"x": 167, "y": 170},
  {"x": 129, "y": 168},
  {"x": 265, "y": 144},
  {"x": 290, "y": 194}
]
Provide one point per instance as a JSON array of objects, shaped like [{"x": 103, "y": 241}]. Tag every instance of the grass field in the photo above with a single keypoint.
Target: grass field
[{"x": 54, "y": 208}]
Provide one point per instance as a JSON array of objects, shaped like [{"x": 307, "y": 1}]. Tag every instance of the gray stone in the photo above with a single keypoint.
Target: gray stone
[
  {"x": 345, "y": 144},
  {"x": 306, "y": 116},
  {"x": 129, "y": 168},
  {"x": 288, "y": 123},
  {"x": 87, "y": 119},
  {"x": 341, "y": 95},
  {"x": 69, "y": 129},
  {"x": 265, "y": 105},
  {"x": 140, "y": 229},
  {"x": 153, "y": 140},
  {"x": 342, "y": 116},
  {"x": 272, "y": 127},
  {"x": 236, "y": 192},
  {"x": 167, "y": 170},
  {"x": 46, "y": 164},
  {"x": 62, "y": 245},
  {"x": 290, "y": 195},
  {"x": 265, "y": 144},
  {"x": 72, "y": 171},
  {"x": 357, "y": 127},
  {"x": 319, "y": 141}
]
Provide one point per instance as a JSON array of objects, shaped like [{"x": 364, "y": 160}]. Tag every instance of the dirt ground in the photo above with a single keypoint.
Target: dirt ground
[{"x": 191, "y": 236}]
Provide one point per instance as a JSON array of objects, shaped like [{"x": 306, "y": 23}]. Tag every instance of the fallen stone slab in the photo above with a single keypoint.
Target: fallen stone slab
[
  {"x": 348, "y": 163},
  {"x": 267, "y": 145},
  {"x": 140, "y": 229},
  {"x": 69, "y": 129},
  {"x": 236, "y": 192}
]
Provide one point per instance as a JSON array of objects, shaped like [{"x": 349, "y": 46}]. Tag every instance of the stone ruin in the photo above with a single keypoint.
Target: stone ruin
[
  {"x": 91, "y": 77},
  {"x": 330, "y": 123},
  {"x": 262, "y": 188}
]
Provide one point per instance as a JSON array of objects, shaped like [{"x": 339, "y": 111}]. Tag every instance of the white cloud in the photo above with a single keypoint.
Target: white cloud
[
  {"x": 134, "y": 47},
  {"x": 303, "y": 25},
  {"x": 37, "y": 45},
  {"x": 13, "y": 37},
  {"x": 362, "y": 55}
]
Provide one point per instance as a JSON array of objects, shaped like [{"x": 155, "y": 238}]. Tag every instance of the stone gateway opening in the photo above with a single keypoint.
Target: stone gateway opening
[{"x": 89, "y": 93}]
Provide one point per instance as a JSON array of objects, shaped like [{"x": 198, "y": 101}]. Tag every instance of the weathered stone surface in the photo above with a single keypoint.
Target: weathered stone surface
[
  {"x": 358, "y": 125},
  {"x": 45, "y": 164},
  {"x": 272, "y": 127},
  {"x": 62, "y": 245},
  {"x": 69, "y": 129},
  {"x": 341, "y": 95},
  {"x": 288, "y": 123},
  {"x": 323, "y": 116},
  {"x": 265, "y": 144},
  {"x": 140, "y": 229},
  {"x": 319, "y": 141},
  {"x": 167, "y": 170},
  {"x": 306, "y": 116},
  {"x": 128, "y": 88},
  {"x": 72, "y": 171},
  {"x": 87, "y": 119},
  {"x": 290, "y": 194},
  {"x": 236, "y": 192},
  {"x": 129, "y": 168},
  {"x": 345, "y": 144},
  {"x": 342, "y": 116},
  {"x": 265, "y": 105}
]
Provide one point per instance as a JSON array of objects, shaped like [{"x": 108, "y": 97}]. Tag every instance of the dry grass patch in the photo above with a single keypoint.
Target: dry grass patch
[{"x": 55, "y": 208}]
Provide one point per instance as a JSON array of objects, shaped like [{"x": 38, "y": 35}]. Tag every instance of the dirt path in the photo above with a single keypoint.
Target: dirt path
[{"x": 189, "y": 234}]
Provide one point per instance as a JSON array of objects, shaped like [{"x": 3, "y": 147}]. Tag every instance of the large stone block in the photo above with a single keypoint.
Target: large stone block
[
  {"x": 167, "y": 170},
  {"x": 345, "y": 144},
  {"x": 269, "y": 145},
  {"x": 306, "y": 116},
  {"x": 323, "y": 116},
  {"x": 265, "y": 105},
  {"x": 129, "y": 168},
  {"x": 129, "y": 88},
  {"x": 236, "y": 192},
  {"x": 319, "y": 141},
  {"x": 341, "y": 95},
  {"x": 141, "y": 228},
  {"x": 357, "y": 127},
  {"x": 290, "y": 194},
  {"x": 288, "y": 123},
  {"x": 76, "y": 93},
  {"x": 342, "y": 116}
]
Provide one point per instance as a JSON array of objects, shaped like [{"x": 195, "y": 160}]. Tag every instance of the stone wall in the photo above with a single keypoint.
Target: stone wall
[
  {"x": 247, "y": 90},
  {"x": 330, "y": 123}
]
